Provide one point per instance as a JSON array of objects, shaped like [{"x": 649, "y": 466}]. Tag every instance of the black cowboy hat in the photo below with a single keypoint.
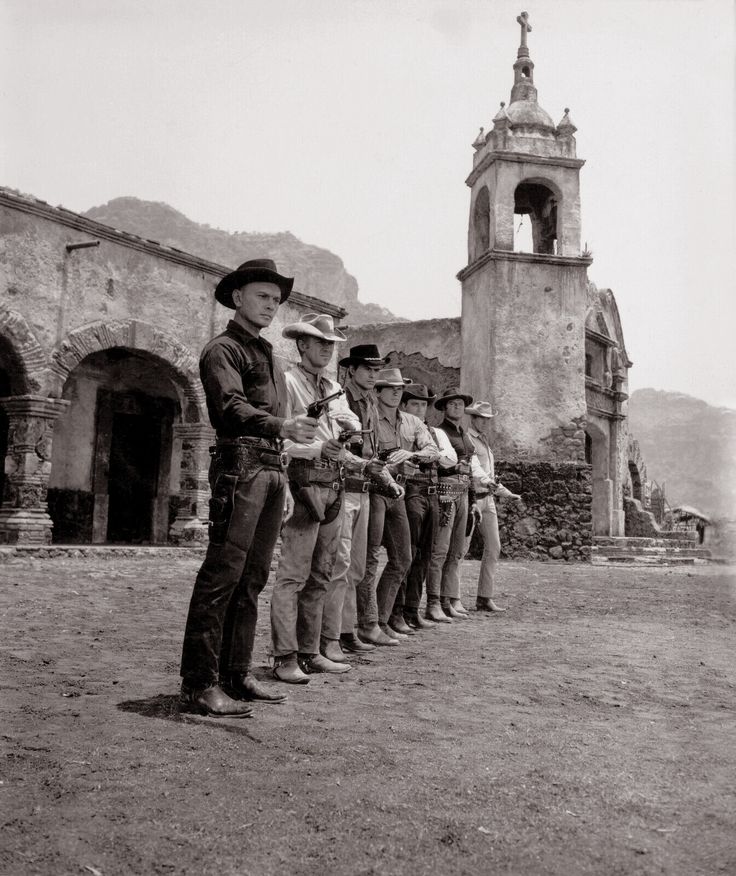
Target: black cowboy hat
[
  {"x": 252, "y": 271},
  {"x": 452, "y": 393},
  {"x": 418, "y": 392},
  {"x": 363, "y": 354}
]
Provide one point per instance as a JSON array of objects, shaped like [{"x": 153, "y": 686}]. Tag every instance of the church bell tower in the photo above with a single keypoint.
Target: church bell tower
[{"x": 524, "y": 298}]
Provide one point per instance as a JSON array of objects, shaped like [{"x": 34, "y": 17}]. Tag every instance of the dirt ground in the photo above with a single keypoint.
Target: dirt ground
[{"x": 589, "y": 730}]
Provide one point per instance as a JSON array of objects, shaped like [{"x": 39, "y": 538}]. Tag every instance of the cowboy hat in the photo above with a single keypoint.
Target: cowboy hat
[
  {"x": 252, "y": 271},
  {"x": 389, "y": 377},
  {"x": 314, "y": 325},
  {"x": 418, "y": 392},
  {"x": 449, "y": 395},
  {"x": 480, "y": 409},
  {"x": 363, "y": 354}
]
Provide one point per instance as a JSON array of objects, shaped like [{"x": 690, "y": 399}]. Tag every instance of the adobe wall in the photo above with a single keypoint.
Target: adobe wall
[{"x": 124, "y": 315}]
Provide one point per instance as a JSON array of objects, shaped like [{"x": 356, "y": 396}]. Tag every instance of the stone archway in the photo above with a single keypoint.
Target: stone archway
[
  {"x": 139, "y": 425},
  {"x": 25, "y": 360},
  {"x": 134, "y": 335}
]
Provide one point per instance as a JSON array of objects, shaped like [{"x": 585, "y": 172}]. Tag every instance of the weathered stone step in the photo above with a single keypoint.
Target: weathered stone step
[
  {"x": 643, "y": 560},
  {"x": 655, "y": 551},
  {"x": 629, "y": 542}
]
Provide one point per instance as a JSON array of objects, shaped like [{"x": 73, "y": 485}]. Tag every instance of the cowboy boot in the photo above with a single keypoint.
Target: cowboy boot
[{"x": 434, "y": 612}]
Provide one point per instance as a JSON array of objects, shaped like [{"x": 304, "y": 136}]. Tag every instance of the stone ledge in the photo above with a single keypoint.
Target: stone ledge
[{"x": 100, "y": 552}]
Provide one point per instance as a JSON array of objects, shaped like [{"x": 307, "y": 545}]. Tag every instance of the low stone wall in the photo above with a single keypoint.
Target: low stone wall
[{"x": 554, "y": 520}]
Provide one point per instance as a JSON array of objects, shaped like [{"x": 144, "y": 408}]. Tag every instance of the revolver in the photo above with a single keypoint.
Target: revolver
[
  {"x": 352, "y": 436},
  {"x": 383, "y": 455},
  {"x": 317, "y": 408}
]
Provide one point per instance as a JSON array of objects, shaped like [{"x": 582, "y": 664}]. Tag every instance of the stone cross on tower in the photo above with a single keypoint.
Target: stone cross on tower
[{"x": 523, "y": 20}]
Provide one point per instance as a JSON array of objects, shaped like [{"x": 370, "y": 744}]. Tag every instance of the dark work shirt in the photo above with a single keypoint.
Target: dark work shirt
[
  {"x": 244, "y": 386},
  {"x": 363, "y": 405}
]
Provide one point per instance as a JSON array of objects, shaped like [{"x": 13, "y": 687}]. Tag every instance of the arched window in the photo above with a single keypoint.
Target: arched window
[
  {"x": 535, "y": 219},
  {"x": 481, "y": 223}
]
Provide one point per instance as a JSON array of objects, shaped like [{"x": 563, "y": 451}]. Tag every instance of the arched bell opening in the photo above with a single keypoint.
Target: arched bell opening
[{"x": 535, "y": 218}]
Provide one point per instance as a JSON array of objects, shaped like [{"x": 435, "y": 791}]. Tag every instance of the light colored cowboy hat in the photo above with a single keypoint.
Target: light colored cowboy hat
[
  {"x": 449, "y": 395},
  {"x": 389, "y": 377},
  {"x": 480, "y": 409},
  {"x": 252, "y": 271},
  {"x": 314, "y": 325},
  {"x": 363, "y": 354},
  {"x": 418, "y": 392}
]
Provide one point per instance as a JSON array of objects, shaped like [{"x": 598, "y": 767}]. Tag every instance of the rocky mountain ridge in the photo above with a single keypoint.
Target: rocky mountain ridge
[
  {"x": 319, "y": 272},
  {"x": 688, "y": 445}
]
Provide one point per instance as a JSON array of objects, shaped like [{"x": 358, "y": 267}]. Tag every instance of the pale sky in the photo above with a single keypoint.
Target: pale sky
[{"x": 349, "y": 123}]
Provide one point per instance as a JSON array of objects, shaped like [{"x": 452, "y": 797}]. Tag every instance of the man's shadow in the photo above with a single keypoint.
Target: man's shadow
[{"x": 168, "y": 708}]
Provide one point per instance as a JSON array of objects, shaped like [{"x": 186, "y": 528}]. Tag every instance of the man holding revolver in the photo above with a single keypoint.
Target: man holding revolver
[
  {"x": 311, "y": 535},
  {"x": 246, "y": 400}
]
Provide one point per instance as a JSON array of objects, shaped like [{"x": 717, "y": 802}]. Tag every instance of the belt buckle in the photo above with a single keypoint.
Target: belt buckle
[
  {"x": 283, "y": 459},
  {"x": 431, "y": 491},
  {"x": 341, "y": 472},
  {"x": 400, "y": 479},
  {"x": 366, "y": 487}
]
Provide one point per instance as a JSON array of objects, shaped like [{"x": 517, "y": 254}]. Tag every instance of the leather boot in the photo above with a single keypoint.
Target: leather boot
[
  {"x": 487, "y": 604},
  {"x": 416, "y": 621},
  {"x": 312, "y": 663},
  {"x": 375, "y": 636},
  {"x": 330, "y": 648},
  {"x": 245, "y": 687},
  {"x": 459, "y": 607},
  {"x": 434, "y": 613},
  {"x": 391, "y": 633},
  {"x": 450, "y": 611},
  {"x": 350, "y": 642},
  {"x": 399, "y": 625},
  {"x": 287, "y": 669},
  {"x": 211, "y": 701}
]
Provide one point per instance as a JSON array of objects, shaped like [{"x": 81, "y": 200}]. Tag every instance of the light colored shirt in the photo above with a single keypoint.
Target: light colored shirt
[
  {"x": 302, "y": 389},
  {"x": 448, "y": 457},
  {"x": 399, "y": 429},
  {"x": 484, "y": 455}
]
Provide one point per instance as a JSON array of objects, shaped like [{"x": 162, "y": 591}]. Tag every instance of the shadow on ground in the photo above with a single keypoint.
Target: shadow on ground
[{"x": 166, "y": 706}]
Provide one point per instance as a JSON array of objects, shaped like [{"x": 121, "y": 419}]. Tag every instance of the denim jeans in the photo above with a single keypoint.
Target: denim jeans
[
  {"x": 340, "y": 610},
  {"x": 447, "y": 551},
  {"x": 423, "y": 514},
  {"x": 308, "y": 551},
  {"x": 388, "y": 526},
  {"x": 488, "y": 527},
  {"x": 223, "y": 609}
]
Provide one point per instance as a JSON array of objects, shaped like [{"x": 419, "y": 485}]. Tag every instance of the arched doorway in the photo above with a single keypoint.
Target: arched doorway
[{"x": 114, "y": 471}]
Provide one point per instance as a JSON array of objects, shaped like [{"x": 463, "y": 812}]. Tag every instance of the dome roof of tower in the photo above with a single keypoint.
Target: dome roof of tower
[{"x": 529, "y": 112}]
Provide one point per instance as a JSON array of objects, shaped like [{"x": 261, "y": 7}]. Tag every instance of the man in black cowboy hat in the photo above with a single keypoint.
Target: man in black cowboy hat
[
  {"x": 246, "y": 401},
  {"x": 443, "y": 583},
  {"x": 406, "y": 443},
  {"x": 422, "y": 511},
  {"x": 312, "y": 533},
  {"x": 363, "y": 365}
]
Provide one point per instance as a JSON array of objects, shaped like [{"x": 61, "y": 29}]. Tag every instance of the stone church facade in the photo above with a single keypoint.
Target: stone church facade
[
  {"x": 103, "y": 423},
  {"x": 536, "y": 337}
]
